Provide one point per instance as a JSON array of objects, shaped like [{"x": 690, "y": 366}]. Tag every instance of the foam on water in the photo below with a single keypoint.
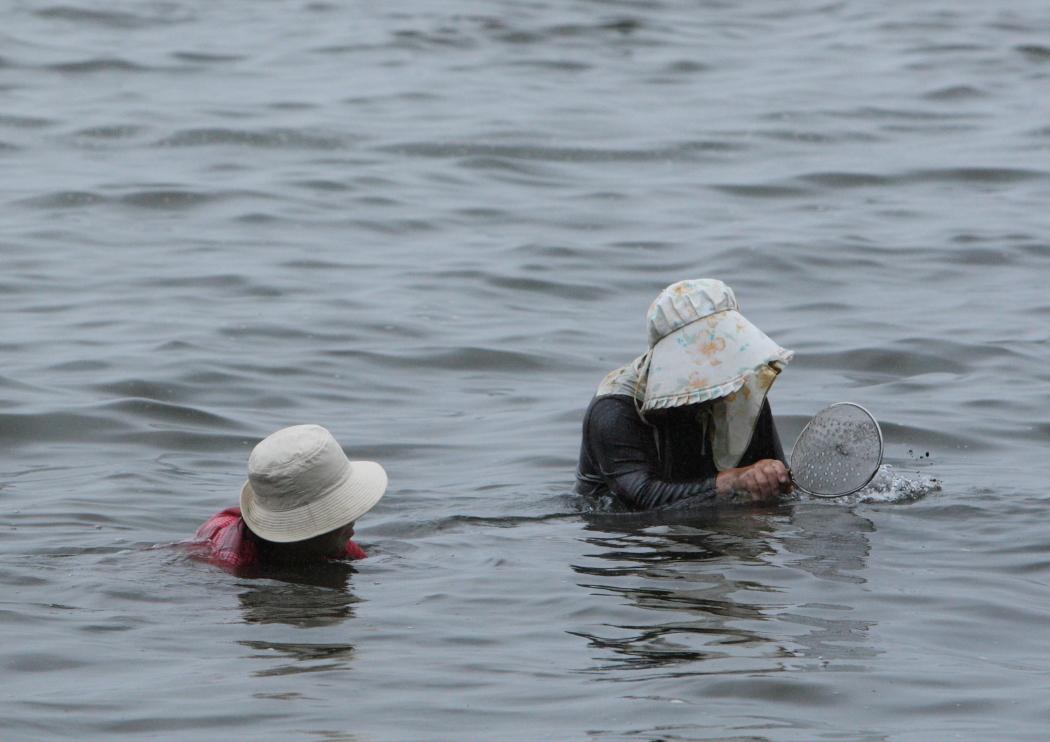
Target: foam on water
[{"x": 889, "y": 486}]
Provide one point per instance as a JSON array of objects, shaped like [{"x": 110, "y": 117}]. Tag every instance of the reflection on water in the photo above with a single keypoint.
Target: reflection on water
[
  {"x": 309, "y": 598},
  {"x": 305, "y": 657},
  {"x": 700, "y": 594},
  {"x": 831, "y": 541}
]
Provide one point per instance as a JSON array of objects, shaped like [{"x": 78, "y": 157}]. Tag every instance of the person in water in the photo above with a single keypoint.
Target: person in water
[
  {"x": 689, "y": 418},
  {"x": 299, "y": 505}
]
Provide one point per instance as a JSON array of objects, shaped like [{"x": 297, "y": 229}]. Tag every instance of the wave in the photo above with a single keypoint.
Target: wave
[
  {"x": 809, "y": 184},
  {"x": 516, "y": 152},
  {"x": 268, "y": 138},
  {"x": 127, "y": 421},
  {"x": 144, "y": 198},
  {"x": 100, "y": 64},
  {"x": 25, "y": 122},
  {"x": 106, "y": 18}
]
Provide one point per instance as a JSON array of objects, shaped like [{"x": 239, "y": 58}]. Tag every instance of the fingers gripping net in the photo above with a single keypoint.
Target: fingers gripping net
[{"x": 838, "y": 452}]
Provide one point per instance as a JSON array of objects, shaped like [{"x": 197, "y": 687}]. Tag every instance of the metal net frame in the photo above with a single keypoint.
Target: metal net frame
[{"x": 838, "y": 452}]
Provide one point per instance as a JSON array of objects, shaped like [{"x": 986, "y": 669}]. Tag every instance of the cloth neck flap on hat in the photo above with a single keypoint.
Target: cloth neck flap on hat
[{"x": 732, "y": 418}]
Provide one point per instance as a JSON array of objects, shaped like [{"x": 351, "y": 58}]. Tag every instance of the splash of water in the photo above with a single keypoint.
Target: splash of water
[{"x": 892, "y": 486}]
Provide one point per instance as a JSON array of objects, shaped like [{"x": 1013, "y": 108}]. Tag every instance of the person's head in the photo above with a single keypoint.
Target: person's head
[
  {"x": 303, "y": 494},
  {"x": 704, "y": 357}
]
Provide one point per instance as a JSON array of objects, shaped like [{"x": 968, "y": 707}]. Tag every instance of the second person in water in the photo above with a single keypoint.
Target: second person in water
[{"x": 688, "y": 419}]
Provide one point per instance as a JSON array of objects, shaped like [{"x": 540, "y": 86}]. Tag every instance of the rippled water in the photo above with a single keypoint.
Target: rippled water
[{"x": 433, "y": 228}]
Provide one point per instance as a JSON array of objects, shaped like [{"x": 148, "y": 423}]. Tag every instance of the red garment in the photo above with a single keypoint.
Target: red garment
[{"x": 225, "y": 535}]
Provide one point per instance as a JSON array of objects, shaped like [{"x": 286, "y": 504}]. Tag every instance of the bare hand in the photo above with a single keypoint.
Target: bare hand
[{"x": 762, "y": 481}]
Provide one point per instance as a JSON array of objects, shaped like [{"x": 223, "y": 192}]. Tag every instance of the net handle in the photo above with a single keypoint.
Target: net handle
[{"x": 878, "y": 429}]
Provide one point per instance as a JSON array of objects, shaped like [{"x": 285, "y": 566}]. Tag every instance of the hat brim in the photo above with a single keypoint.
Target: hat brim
[
  {"x": 707, "y": 359},
  {"x": 345, "y": 503}
]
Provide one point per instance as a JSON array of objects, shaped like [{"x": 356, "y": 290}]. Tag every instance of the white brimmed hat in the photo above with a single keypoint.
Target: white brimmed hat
[
  {"x": 301, "y": 484},
  {"x": 701, "y": 347}
]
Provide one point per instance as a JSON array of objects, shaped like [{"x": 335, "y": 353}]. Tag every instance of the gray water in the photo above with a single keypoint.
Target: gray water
[{"x": 433, "y": 228}]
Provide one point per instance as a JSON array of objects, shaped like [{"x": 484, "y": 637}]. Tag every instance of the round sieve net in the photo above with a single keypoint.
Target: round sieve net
[{"x": 838, "y": 452}]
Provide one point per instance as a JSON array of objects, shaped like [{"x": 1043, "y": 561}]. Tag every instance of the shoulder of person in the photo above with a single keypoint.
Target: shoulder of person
[{"x": 614, "y": 409}]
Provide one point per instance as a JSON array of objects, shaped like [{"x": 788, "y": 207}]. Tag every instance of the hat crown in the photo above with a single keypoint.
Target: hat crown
[
  {"x": 296, "y": 466},
  {"x": 685, "y": 302}
]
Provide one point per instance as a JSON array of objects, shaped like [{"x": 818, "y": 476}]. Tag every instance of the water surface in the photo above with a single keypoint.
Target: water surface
[{"x": 433, "y": 230}]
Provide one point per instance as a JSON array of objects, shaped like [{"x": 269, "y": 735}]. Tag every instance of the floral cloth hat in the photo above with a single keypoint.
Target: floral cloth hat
[{"x": 701, "y": 347}]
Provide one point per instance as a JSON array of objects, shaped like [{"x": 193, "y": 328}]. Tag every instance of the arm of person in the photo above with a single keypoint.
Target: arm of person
[
  {"x": 762, "y": 481},
  {"x": 765, "y": 474},
  {"x": 622, "y": 447}
]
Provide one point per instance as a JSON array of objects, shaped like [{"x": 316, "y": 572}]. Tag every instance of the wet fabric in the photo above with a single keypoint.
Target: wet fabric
[
  {"x": 648, "y": 466},
  {"x": 733, "y": 417},
  {"x": 231, "y": 545}
]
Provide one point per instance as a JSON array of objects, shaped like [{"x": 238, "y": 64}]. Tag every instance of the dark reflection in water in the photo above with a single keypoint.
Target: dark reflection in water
[
  {"x": 830, "y": 543},
  {"x": 305, "y": 657},
  {"x": 319, "y": 596},
  {"x": 700, "y": 592},
  {"x": 307, "y": 598},
  {"x": 831, "y": 540}
]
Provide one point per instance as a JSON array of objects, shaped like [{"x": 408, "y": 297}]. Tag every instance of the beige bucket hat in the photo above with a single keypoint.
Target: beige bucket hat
[{"x": 301, "y": 484}]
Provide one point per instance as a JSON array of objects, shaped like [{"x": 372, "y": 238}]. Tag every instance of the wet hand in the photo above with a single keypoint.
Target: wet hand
[{"x": 762, "y": 481}]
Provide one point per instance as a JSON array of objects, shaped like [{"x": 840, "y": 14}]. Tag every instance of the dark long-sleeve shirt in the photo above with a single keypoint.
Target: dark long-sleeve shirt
[{"x": 652, "y": 466}]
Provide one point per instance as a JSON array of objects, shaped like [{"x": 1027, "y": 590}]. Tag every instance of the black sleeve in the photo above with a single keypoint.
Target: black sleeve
[{"x": 622, "y": 447}]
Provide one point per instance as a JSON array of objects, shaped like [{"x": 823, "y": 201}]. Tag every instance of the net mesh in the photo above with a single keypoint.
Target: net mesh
[{"x": 838, "y": 452}]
